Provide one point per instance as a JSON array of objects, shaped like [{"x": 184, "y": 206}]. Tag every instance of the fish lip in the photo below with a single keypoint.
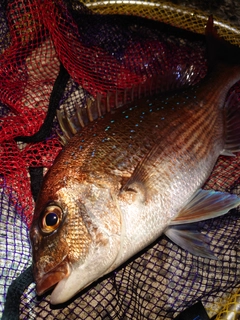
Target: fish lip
[{"x": 51, "y": 278}]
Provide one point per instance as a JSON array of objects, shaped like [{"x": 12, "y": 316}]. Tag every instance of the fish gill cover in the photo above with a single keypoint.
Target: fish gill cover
[{"x": 83, "y": 50}]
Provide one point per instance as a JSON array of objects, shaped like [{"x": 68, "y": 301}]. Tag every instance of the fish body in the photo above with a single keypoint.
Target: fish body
[{"x": 127, "y": 177}]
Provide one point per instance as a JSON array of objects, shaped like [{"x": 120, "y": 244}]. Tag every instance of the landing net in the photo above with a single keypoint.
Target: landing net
[{"x": 56, "y": 54}]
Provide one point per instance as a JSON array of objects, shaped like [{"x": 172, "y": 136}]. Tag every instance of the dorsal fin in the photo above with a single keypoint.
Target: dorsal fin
[
  {"x": 71, "y": 124},
  {"x": 172, "y": 80}
]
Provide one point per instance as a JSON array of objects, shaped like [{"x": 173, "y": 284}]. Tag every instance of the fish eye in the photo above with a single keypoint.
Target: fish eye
[{"x": 51, "y": 219}]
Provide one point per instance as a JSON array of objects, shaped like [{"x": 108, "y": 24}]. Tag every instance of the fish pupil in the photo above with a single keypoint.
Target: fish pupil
[{"x": 51, "y": 219}]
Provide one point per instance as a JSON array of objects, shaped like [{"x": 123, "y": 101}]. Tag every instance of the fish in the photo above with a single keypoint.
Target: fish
[{"x": 130, "y": 176}]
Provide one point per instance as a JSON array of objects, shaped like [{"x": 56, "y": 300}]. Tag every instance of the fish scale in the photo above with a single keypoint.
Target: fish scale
[{"x": 120, "y": 136}]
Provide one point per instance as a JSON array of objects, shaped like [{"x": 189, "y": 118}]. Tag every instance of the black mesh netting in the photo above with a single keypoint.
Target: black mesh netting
[{"x": 57, "y": 54}]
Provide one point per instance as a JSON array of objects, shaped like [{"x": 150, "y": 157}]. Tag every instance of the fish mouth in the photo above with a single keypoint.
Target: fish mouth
[{"x": 50, "y": 279}]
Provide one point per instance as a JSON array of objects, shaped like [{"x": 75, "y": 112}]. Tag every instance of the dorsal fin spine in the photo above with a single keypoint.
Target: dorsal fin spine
[
  {"x": 79, "y": 117},
  {"x": 89, "y": 104},
  {"x": 98, "y": 103},
  {"x": 108, "y": 101}
]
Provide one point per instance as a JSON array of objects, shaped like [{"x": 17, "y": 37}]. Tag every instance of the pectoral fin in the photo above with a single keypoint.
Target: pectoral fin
[
  {"x": 206, "y": 204},
  {"x": 190, "y": 240}
]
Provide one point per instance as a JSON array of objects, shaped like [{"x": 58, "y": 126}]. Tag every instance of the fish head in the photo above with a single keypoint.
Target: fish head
[{"x": 75, "y": 236}]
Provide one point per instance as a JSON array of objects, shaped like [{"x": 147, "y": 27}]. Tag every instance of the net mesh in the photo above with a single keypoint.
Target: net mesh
[
  {"x": 104, "y": 46},
  {"x": 14, "y": 242}
]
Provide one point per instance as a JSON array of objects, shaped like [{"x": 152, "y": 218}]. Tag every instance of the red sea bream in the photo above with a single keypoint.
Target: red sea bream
[{"x": 130, "y": 176}]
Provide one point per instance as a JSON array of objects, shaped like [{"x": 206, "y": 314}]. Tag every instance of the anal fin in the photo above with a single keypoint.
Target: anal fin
[{"x": 191, "y": 240}]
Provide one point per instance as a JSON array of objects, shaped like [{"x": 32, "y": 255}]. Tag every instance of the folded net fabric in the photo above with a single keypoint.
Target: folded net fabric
[{"x": 56, "y": 54}]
